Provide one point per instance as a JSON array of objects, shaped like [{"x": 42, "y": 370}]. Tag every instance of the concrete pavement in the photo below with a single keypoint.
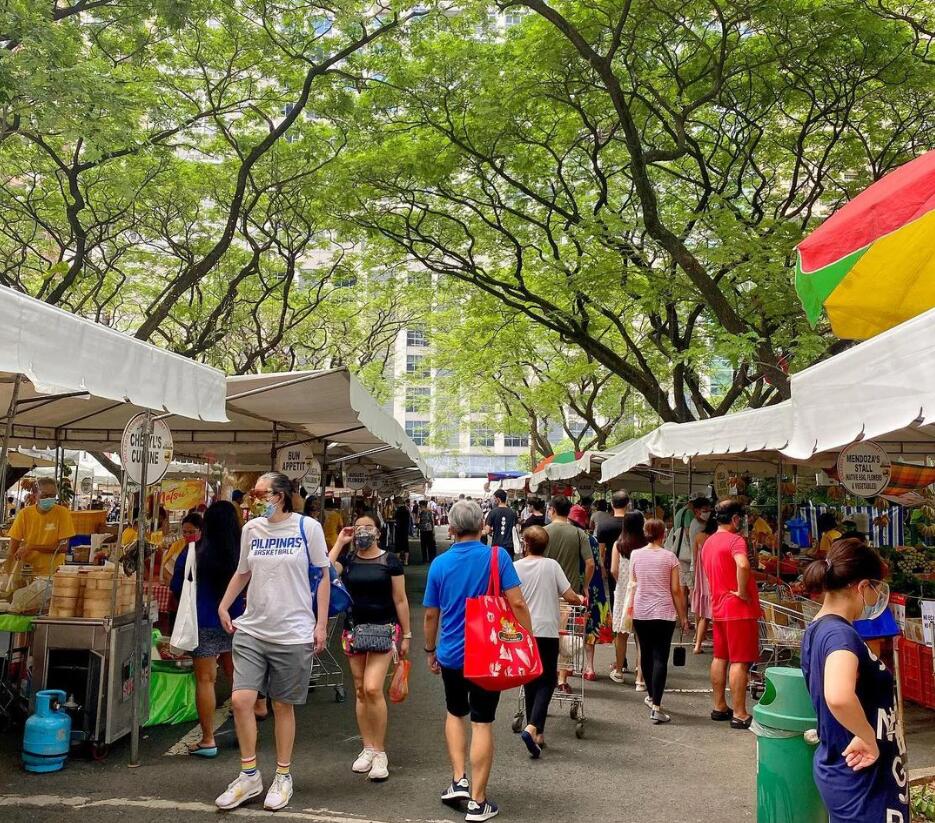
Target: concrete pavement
[{"x": 624, "y": 770}]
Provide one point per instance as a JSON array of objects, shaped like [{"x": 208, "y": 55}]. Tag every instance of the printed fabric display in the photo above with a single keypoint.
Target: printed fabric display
[{"x": 499, "y": 654}]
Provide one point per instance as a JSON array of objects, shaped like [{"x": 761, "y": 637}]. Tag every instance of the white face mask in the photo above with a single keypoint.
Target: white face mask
[
  {"x": 704, "y": 517},
  {"x": 875, "y": 609}
]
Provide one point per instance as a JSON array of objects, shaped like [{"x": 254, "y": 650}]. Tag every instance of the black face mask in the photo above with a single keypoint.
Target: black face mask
[{"x": 364, "y": 540}]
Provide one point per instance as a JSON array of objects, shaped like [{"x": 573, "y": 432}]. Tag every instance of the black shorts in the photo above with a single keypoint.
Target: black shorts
[{"x": 462, "y": 697}]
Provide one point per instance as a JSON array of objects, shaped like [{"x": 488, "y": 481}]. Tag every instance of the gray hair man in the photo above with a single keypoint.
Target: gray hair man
[{"x": 458, "y": 574}]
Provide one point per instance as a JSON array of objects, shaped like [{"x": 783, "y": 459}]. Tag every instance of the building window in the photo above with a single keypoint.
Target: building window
[
  {"x": 418, "y": 431},
  {"x": 483, "y": 438},
  {"x": 417, "y": 399},
  {"x": 415, "y": 365},
  {"x": 516, "y": 441},
  {"x": 416, "y": 337},
  {"x": 513, "y": 17},
  {"x": 419, "y": 279}
]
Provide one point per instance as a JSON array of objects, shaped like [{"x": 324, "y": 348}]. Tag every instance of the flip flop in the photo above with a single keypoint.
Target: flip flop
[
  {"x": 534, "y": 748},
  {"x": 203, "y": 751}
]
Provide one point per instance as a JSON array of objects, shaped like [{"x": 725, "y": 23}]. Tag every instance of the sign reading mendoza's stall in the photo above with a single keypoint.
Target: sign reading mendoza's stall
[
  {"x": 133, "y": 449},
  {"x": 864, "y": 468}
]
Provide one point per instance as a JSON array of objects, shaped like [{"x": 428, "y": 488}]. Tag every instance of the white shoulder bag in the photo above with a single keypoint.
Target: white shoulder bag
[{"x": 185, "y": 633}]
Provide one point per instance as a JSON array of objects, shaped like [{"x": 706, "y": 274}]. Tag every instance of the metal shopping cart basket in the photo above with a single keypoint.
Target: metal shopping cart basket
[
  {"x": 782, "y": 627},
  {"x": 571, "y": 633},
  {"x": 326, "y": 670}
]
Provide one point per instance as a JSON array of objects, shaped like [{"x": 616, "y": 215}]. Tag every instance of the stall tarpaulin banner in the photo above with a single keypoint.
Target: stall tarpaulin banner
[
  {"x": 928, "y": 622},
  {"x": 182, "y": 495}
]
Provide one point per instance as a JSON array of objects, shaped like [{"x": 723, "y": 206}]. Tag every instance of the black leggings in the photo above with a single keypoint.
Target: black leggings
[
  {"x": 539, "y": 691},
  {"x": 655, "y": 637}
]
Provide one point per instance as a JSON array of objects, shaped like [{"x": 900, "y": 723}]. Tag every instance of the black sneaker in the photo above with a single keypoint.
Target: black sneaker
[
  {"x": 479, "y": 812},
  {"x": 458, "y": 790}
]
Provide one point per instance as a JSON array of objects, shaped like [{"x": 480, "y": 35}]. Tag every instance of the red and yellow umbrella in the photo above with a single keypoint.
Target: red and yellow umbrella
[{"x": 871, "y": 265}]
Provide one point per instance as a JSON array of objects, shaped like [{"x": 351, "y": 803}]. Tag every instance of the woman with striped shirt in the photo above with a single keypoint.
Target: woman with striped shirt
[{"x": 658, "y": 601}]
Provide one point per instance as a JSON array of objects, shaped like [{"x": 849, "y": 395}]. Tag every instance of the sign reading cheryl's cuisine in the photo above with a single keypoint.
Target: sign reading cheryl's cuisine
[{"x": 864, "y": 468}]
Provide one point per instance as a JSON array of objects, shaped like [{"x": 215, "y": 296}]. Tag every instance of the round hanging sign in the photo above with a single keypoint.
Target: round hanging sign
[
  {"x": 296, "y": 461},
  {"x": 133, "y": 450},
  {"x": 864, "y": 468},
  {"x": 356, "y": 477},
  {"x": 312, "y": 477},
  {"x": 585, "y": 487}
]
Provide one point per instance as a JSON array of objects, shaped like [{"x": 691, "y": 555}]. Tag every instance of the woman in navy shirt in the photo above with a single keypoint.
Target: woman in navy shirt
[
  {"x": 859, "y": 766},
  {"x": 217, "y": 554}
]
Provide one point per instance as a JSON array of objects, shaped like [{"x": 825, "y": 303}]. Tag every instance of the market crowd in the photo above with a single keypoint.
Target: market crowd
[{"x": 266, "y": 575}]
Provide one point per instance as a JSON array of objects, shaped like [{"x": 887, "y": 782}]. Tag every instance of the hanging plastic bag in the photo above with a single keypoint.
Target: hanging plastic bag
[
  {"x": 185, "y": 631},
  {"x": 399, "y": 687}
]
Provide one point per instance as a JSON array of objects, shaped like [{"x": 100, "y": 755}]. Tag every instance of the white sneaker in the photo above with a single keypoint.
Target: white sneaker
[
  {"x": 641, "y": 687},
  {"x": 244, "y": 788},
  {"x": 381, "y": 767},
  {"x": 616, "y": 675},
  {"x": 364, "y": 761},
  {"x": 648, "y": 701},
  {"x": 280, "y": 793}
]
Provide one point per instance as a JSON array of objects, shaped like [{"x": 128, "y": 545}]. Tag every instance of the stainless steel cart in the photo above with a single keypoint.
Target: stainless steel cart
[
  {"x": 91, "y": 660},
  {"x": 326, "y": 670}
]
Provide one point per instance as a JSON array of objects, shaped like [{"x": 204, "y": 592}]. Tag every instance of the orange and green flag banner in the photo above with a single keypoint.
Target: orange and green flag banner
[{"x": 871, "y": 265}]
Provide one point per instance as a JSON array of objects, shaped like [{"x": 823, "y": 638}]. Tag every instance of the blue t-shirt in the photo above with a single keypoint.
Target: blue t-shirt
[
  {"x": 461, "y": 572},
  {"x": 208, "y": 598},
  {"x": 879, "y": 793}
]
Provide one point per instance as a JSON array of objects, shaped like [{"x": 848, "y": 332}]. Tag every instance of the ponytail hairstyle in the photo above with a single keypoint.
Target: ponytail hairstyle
[
  {"x": 849, "y": 561},
  {"x": 282, "y": 485}
]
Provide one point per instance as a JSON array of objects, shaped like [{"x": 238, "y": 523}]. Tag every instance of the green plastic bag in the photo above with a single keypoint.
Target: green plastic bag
[{"x": 171, "y": 695}]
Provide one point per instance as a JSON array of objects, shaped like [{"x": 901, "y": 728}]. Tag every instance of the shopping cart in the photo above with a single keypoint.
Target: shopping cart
[
  {"x": 571, "y": 633},
  {"x": 782, "y": 627},
  {"x": 326, "y": 670}
]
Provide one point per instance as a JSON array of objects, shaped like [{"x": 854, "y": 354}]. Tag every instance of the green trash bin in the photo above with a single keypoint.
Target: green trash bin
[{"x": 785, "y": 787}]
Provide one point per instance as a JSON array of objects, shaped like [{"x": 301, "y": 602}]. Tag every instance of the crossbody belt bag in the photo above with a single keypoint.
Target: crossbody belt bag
[{"x": 372, "y": 637}]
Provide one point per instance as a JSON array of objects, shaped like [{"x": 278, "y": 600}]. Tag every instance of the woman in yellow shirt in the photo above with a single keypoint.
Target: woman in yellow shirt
[
  {"x": 40, "y": 533},
  {"x": 827, "y": 533}
]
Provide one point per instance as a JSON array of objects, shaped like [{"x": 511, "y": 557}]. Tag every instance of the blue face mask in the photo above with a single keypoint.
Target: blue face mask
[
  {"x": 270, "y": 510},
  {"x": 46, "y": 504}
]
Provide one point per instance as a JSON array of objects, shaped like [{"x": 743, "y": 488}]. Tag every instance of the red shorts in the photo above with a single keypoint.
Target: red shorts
[{"x": 737, "y": 640}]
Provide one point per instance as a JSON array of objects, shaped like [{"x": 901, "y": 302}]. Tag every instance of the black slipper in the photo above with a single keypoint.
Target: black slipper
[
  {"x": 534, "y": 748},
  {"x": 727, "y": 714},
  {"x": 737, "y": 723}
]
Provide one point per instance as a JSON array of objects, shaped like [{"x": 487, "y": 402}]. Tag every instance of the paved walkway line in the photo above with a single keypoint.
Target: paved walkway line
[
  {"x": 248, "y": 811},
  {"x": 221, "y": 713}
]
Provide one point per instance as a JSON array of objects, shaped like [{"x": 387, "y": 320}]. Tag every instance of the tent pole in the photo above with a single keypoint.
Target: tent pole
[
  {"x": 652, "y": 490},
  {"x": 135, "y": 707},
  {"x": 778, "y": 543},
  {"x": 690, "y": 493},
  {"x": 272, "y": 451},
  {"x": 322, "y": 484},
  {"x": 674, "y": 512},
  {"x": 8, "y": 433}
]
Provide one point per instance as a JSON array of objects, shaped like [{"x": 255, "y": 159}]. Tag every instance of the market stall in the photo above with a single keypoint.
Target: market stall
[{"x": 104, "y": 650}]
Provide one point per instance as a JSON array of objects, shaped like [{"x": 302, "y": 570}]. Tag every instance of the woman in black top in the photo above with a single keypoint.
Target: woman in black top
[{"x": 374, "y": 579}]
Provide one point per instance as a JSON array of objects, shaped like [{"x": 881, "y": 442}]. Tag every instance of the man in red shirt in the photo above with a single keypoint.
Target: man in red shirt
[{"x": 735, "y": 606}]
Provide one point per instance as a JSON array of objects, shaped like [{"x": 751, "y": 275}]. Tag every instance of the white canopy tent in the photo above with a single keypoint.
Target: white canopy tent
[
  {"x": 61, "y": 354},
  {"x": 882, "y": 389},
  {"x": 263, "y": 413}
]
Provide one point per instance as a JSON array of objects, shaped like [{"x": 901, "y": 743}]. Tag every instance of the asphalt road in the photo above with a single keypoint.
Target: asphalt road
[{"x": 625, "y": 769}]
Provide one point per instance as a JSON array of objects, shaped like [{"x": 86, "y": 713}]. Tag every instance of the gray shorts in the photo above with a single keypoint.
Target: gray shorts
[{"x": 279, "y": 671}]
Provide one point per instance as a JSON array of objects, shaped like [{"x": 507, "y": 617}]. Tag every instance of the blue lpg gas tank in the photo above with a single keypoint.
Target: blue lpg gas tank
[{"x": 47, "y": 737}]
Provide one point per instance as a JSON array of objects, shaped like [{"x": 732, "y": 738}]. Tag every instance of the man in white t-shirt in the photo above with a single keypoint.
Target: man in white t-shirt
[{"x": 277, "y": 637}]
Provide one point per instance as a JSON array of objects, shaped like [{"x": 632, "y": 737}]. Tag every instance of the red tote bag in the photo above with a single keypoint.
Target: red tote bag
[{"x": 499, "y": 654}]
